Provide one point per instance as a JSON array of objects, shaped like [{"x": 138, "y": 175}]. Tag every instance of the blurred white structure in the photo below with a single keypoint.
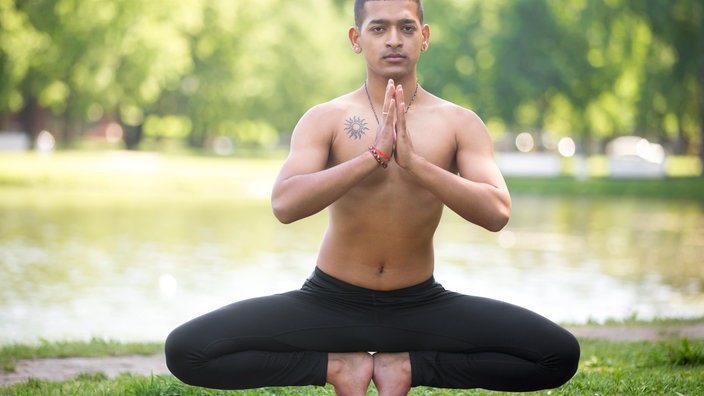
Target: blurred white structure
[
  {"x": 529, "y": 164},
  {"x": 633, "y": 156},
  {"x": 45, "y": 142},
  {"x": 14, "y": 141}
]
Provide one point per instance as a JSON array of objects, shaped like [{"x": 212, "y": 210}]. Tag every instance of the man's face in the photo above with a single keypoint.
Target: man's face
[{"x": 391, "y": 37}]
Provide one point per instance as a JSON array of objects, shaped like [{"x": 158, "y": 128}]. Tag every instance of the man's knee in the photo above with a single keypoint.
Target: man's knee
[
  {"x": 569, "y": 361},
  {"x": 180, "y": 358}
]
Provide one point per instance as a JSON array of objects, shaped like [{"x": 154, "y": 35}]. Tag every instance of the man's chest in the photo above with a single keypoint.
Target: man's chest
[{"x": 430, "y": 139}]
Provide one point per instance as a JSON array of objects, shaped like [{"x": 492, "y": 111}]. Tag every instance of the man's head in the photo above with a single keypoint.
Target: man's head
[
  {"x": 391, "y": 36},
  {"x": 359, "y": 13}
]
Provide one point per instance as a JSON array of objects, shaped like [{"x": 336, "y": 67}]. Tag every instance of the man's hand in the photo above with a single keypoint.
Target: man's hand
[
  {"x": 385, "y": 135},
  {"x": 402, "y": 143}
]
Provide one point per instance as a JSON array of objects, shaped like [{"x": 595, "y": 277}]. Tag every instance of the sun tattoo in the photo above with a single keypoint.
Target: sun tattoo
[{"x": 355, "y": 127}]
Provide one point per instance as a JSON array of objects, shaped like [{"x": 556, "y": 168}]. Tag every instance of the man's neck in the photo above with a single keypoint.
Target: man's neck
[{"x": 376, "y": 85}]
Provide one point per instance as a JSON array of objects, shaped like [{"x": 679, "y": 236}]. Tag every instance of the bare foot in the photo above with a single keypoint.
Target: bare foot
[
  {"x": 392, "y": 373},
  {"x": 350, "y": 373}
]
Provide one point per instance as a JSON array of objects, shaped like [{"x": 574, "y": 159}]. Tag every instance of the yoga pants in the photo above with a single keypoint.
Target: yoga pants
[{"x": 454, "y": 340}]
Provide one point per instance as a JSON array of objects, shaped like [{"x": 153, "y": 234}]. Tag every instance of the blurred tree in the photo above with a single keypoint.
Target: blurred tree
[
  {"x": 459, "y": 55},
  {"x": 259, "y": 66},
  {"x": 540, "y": 71},
  {"x": 152, "y": 54},
  {"x": 19, "y": 45},
  {"x": 199, "y": 70},
  {"x": 89, "y": 59},
  {"x": 593, "y": 70},
  {"x": 673, "y": 102}
]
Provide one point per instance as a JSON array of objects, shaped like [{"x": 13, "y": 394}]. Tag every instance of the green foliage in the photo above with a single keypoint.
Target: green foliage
[
  {"x": 587, "y": 69},
  {"x": 686, "y": 354},
  {"x": 591, "y": 70}
]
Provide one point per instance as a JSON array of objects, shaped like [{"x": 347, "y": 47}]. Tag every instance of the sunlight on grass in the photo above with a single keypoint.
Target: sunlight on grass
[
  {"x": 681, "y": 166},
  {"x": 122, "y": 172}
]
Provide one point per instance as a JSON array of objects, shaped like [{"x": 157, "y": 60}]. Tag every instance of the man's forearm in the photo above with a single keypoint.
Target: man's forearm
[
  {"x": 300, "y": 196},
  {"x": 480, "y": 203}
]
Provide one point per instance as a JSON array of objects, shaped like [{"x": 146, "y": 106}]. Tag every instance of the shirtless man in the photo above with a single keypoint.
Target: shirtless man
[{"x": 383, "y": 160}]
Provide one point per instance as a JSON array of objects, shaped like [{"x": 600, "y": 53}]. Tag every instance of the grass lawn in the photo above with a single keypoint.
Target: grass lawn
[
  {"x": 685, "y": 188},
  {"x": 667, "y": 367},
  {"x": 124, "y": 173}
]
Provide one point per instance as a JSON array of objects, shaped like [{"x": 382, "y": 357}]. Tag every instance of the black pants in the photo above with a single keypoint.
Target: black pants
[{"x": 454, "y": 340}]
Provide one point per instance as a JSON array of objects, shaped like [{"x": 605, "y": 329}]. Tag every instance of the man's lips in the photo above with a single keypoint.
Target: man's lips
[{"x": 394, "y": 57}]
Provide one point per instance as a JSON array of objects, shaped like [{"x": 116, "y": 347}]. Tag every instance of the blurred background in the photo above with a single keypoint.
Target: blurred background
[{"x": 139, "y": 141}]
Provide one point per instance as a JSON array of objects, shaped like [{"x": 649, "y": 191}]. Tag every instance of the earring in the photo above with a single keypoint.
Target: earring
[{"x": 357, "y": 49}]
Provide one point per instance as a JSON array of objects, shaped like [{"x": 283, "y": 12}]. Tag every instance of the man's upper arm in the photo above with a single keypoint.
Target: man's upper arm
[
  {"x": 475, "y": 152},
  {"x": 310, "y": 145}
]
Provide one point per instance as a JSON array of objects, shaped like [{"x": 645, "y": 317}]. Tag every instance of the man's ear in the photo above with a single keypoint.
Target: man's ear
[
  {"x": 426, "y": 38},
  {"x": 354, "y": 39}
]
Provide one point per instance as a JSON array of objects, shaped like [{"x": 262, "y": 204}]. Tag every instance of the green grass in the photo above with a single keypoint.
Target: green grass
[
  {"x": 136, "y": 174},
  {"x": 668, "y": 367},
  {"x": 10, "y": 354},
  {"x": 685, "y": 188},
  {"x": 120, "y": 174},
  {"x": 675, "y": 166}
]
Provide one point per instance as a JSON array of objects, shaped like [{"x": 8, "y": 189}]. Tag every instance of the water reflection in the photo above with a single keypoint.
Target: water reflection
[
  {"x": 73, "y": 267},
  {"x": 577, "y": 260}
]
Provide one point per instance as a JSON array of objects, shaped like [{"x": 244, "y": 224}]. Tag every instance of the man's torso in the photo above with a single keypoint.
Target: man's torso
[{"x": 380, "y": 233}]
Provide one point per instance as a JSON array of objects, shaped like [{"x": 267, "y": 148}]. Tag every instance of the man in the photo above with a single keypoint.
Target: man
[{"x": 383, "y": 160}]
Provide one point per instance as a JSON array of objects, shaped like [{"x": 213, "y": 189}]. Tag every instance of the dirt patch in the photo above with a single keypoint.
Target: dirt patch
[
  {"x": 639, "y": 333},
  {"x": 63, "y": 369},
  {"x": 67, "y": 368}
]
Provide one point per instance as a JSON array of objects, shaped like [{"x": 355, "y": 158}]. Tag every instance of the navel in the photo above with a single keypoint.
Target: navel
[{"x": 381, "y": 270}]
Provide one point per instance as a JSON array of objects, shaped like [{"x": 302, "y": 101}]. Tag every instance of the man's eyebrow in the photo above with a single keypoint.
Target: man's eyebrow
[
  {"x": 379, "y": 22},
  {"x": 405, "y": 21}
]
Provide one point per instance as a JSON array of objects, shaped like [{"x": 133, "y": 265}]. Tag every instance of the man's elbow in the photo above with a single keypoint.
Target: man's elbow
[
  {"x": 500, "y": 217},
  {"x": 280, "y": 212},
  {"x": 497, "y": 222}
]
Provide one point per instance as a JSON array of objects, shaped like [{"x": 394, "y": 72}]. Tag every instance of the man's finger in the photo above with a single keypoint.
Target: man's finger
[
  {"x": 400, "y": 106},
  {"x": 388, "y": 95},
  {"x": 389, "y": 116}
]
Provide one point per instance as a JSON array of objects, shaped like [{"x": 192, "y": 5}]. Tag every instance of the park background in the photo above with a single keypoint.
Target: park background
[{"x": 140, "y": 140}]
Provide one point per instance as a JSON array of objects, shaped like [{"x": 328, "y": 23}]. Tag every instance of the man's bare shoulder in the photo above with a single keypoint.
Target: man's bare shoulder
[
  {"x": 461, "y": 119},
  {"x": 332, "y": 108},
  {"x": 321, "y": 120},
  {"x": 449, "y": 108}
]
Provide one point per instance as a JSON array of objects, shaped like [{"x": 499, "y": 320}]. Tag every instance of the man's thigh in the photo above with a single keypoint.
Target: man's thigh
[
  {"x": 293, "y": 321},
  {"x": 456, "y": 322}
]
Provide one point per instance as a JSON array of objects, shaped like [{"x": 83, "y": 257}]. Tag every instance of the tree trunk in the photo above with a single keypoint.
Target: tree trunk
[
  {"x": 701, "y": 92},
  {"x": 132, "y": 136},
  {"x": 33, "y": 119},
  {"x": 701, "y": 108}
]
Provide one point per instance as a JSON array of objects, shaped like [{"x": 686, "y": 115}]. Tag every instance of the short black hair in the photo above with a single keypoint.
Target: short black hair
[{"x": 359, "y": 11}]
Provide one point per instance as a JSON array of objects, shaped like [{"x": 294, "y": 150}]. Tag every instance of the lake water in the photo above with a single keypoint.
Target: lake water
[{"x": 75, "y": 266}]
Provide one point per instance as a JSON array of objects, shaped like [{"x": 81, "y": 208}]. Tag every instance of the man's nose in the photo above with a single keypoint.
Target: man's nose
[{"x": 394, "y": 38}]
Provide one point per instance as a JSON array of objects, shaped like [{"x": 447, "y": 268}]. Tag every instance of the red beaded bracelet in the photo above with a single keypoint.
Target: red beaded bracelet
[
  {"x": 381, "y": 153},
  {"x": 379, "y": 156}
]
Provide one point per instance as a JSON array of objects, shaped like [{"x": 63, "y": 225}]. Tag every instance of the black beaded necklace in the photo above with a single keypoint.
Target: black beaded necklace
[{"x": 410, "y": 102}]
